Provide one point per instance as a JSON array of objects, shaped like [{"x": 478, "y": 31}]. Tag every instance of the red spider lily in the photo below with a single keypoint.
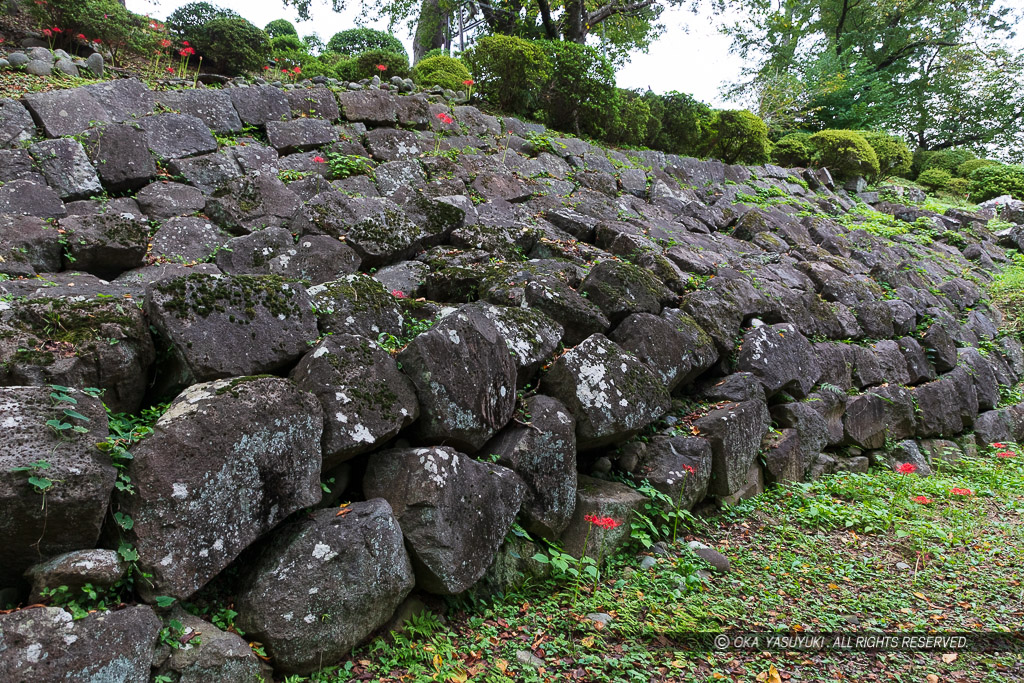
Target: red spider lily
[
  {"x": 602, "y": 522},
  {"x": 689, "y": 468},
  {"x": 397, "y": 293},
  {"x": 998, "y": 445},
  {"x": 266, "y": 68},
  {"x": 58, "y": 30},
  {"x": 444, "y": 118},
  {"x": 468, "y": 81},
  {"x": 284, "y": 71},
  {"x": 81, "y": 36},
  {"x": 382, "y": 67},
  {"x": 296, "y": 70},
  {"x": 47, "y": 33},
  {"x": 170, "y": 69},
  {"x": 187, "y": 51},
  {"x": 185, "y": 43},
  {"x": 1006, "y": 454},
  {"x": 319, "y": 159},
  {"x": 961, "y": 492},
  {"x": 165, "y": 42},
  {"x": 923, "y": 500},
  {"x": 907, "y": 468}
]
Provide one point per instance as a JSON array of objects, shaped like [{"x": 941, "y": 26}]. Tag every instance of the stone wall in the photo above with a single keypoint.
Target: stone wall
[{"x": 494, "y": 324}]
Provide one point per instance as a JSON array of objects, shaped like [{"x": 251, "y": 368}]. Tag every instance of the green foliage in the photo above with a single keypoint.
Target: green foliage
[
  {"x": 683, "y": 123},
  {"x": 894, "y": 157},
  {"x": 313, "y": 44},
  {"x": 793, "y": 150},
  {"x": 436, "y": 52},
  {"x": 934, "y": 179},
  {"x": 233, "y": 45},
  {"x": 508, "y": 71},
  {"x": 287, "y": 43},
  {"x": 106, "y": 20},
  {"x": 632, "y": 119},
  {"x": 365, "y": 65},
  {"x": 844, "y": 152},
  {"x": 280, "y": 27},
  {"x": 994, "y": 181},
  {"x": 1007, "y": 291},
  {"x": 345, "y": 165},
  {"x": 357, "y": 40},
  {"x": 188, "y": 19},
  {"x": 35, "y": 471},
  {"x": 580, "y": 96},
  {"x": 447, "y": 72},
  {"x": 738, "y": 137},
  {"x": 959, "y": 187},
  {"x": 948, "y": 159},
  {"x": 964, "y": 170}
]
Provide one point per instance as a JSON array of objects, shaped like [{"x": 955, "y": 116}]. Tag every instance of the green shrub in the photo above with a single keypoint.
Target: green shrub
[
  {"x": 964, "y": 170},
  {"x": 921, "y": 157},
  {"x": 287, "y": 43},
  {"x": 948, "y": 159},
  {"x": 580, "y": 95},
  {"x": 959, "y": 187},
  {"x": 446, "y": 72},
  {"x": 436, "y": 52},
  {"x": 313, "y": 44},
  {"x": 996, "y": 180},
  {"x": 508, "y": 71},
  {"x": 233, "y": 45},
  {"x": 844, "y": 152},
  {"x": 280, "y": 27},
  {"x": 365, "y": 65},
  {"x": 105, "y": 20},
  {"x": 358, "y": 40},
  {"x": 793, "y": 150},
  {"x": 679, "y": 123},
  {"x": 188, "y": 19},
  {"x": 894, "y": 157},
  {"x": 736, "y": 136},
  {"x": 934, "y": 179},
  {"x": 632, "y": 120}
]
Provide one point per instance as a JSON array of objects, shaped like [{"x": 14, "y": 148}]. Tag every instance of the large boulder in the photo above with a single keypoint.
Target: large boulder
[
  {"x": 246, "y": 455},
  {"x": 374, "y": 107},
  {"x": 252, "y": 203},
  {"x": 300, "y": 135},
  {"x": 611, "y": 394},
  {"x": 672, "y": 345},
  {"x": 16, "y": 125},
  {"x": 596, "y": 498},
  {"x": 66, "y": 112},
  {"x": 66, "y": 167},
  {"x": 100, "y": 342},
  {"x": 879, "y": 415},
  {"x": 734, "y": 433},
  {"x": 173, "y": 136},
  {"x": 678, "y": 466},
  {"x": 30, "y": 198},
  {"x": 212, "y": 107},
  {"x": 45, "y": 645},
  {"x": 28, "y": 245},
  {"x": 324, "y": 583},
  {"x": 454, "y": 511},
  {"x": 121, "y": 156},
  {"x": 315, "y": 259},
  {"x": 531, "y": 336},
  {"x": 366, "y": 400},
  {"x": 206, "y": 654},
  {"x": 54, "y": 482},
  {"x": 100, "y": 568},
  {"x": 356, "y": 304},
  {"x": 187, "y": 240},
  {"x": 781, "y": 358},
  {"x": 541, "y": 450},
  {"x": 465, "y": 379},
  {"x": 257, "y": 105},
  {"x": 225, "y": 326},
  {"x": 105, "y": 244},
  {"x": 162, "y": 199},
  {"x": 620, "y": 289}
]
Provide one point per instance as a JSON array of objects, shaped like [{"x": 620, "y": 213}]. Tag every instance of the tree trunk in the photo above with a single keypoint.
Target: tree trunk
[{"x": 430, "y": 29}]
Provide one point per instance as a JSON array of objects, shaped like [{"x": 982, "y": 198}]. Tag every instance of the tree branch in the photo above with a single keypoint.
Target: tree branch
[{"x": 613, "y": 8}]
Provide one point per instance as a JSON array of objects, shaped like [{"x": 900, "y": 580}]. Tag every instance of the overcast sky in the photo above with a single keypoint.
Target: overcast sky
[{"x": 696, "y": 61}]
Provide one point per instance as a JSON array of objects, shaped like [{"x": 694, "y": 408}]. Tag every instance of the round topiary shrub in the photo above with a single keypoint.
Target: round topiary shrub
[
  {"x": 367, "y": 65},
  {"x": 959, "y": 187},
  {"x": 948, "y": 159},
  {"x": 287, "y": 43},
  {"x": 738, "y": 137},
  {"x": 447, "y": 72},
  {"x": 992, "y": 181},
  {"x": 508, "y": 71},
  {"x": 894, "y": 156},
  {"x": 358, "y": 40},
  {"x": 188, "y": 19},
  {"x": 934, "y": 179},
  {"x": 280, "y": 27},
  {"x": 679, "y": 124},
  {"x": 965, "y": 169},
  {"x": 232, "y": 45},
  {"x": 793, "y": 150},
  {"x": 436, "y": 52},
  {"x": 844, "y": 152}
]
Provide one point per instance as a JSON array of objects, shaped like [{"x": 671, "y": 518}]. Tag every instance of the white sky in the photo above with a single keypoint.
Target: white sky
[{"x": 695, "y": 61}]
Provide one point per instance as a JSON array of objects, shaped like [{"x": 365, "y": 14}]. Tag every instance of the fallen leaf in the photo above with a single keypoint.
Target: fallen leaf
[{"x": 949, "y": 657}]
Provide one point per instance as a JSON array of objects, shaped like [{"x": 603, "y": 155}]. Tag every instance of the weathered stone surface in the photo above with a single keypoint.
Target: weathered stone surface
[
  {"x": 162, "y": 200},
  {"x": 356, "y": 304},
  {"x": 99, "y": 568},
  {"x": 173, "y": 136},
  {"x": 318, "y": 102},
  {"x": 16, "y": 123},
  {"x": 734, "y": 433},
  {"x": 390, "y": 144},
  {"x": 324, "y": 583},
  {"x": 107, "y": 244},
  {"x": 246, "y": 455},
  {"x": 213, "y": 107},
  {"x": 781, "y": 358},
  {"x": 187, "y": 240},
  {"x": 300, "y": 135},
  {"x": 66, "y": 167},
  {"x": 454, "y": 511},
  {"x": 251, "y": 254},
  {"x": 30, "y": 198},
  {"x": 28, "y": 245},
  {"x": 207, "y": 172},
  {"x": 315, "y": 259},
  {"x": 880, "y": 414},
  {"x": 579, "y": 317},
  {"x": 673, "y": 346},
  {"x": 226, "y": 326},
  {"x": 123, "y": 98},
  {"x": 530, "y": 335},
  {"x": 208, "y": 654},
  {"x": 599, "y": 498},
  {"x": 543, "y": 452},
  {"x": 374, "y": 107},
  {"x": 620, "y": 289},
  {"x": 465, "y": 379},
  {"x": 121, "y": 156},
  {"x": 611, "y": 394},
  {"x": 366, "y": 400},
  {"x": 107, "y": 646},
  {"x": 66, "y": 112},
  {"x": 252, "y": 203},
  {"x": 81, "y": 479},
  {"x": 679, "y": 467},
  {"x": 101, "y": 342},
  {"x": 257, "y": 105}
]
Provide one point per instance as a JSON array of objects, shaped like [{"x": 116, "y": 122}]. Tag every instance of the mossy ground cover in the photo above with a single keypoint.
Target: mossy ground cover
[{"x": 849, "y": 552}]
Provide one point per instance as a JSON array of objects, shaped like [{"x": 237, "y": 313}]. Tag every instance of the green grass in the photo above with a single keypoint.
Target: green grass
[
  {"x": 1007, "y": 292},
  {"x": 815, "y": 556}
]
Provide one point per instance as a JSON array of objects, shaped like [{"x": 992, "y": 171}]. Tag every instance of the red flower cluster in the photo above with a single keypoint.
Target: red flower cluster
[
  {"x": 468, "y": 81},
  {"x": 998, "y": 445},
  {"x": 907, "y": 468},
  {"x": 187, "y": 51},
  {"x": 382, "y": 67},
  {"x": 170, "y": 69},
  {"x": 923, "y": 500},
  {"x": 165, "y": 42},
  {"x": 445, "y": 119},
  {"x": 1006, "y": 454},
  {"x": 689, "y": 468},
  {"x": 602, "y": 522},
  {"x": 319, "y": 159},
  {"x": 961, "y": 492},
  {"x": 397, "y": 293},
  {"x": 81, "y": 36}
]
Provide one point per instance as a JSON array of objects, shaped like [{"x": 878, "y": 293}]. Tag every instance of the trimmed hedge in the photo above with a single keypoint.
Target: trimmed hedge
[
  {"x": 947, "y": 159},
  {"x": 965, "y": 169},
  {"x": 894, "y": 156},
  {"x": 934, "y": 179},
  {"x": 280, "y": 27},
  {"x": 365, "y": 65},
  {"x": 447, "y": 72},
  {"x": 992, "y": 181},
  {"x": 738, "y": 137},
  {"x": 793, "y": 150},
  {"x": 844, "y": 152},
  {"x": 580, "y": 96},
  {"x": 233, "y": 45},
  {"x": 355, "y": 41},
  {"x": 508, "y": 72}
]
